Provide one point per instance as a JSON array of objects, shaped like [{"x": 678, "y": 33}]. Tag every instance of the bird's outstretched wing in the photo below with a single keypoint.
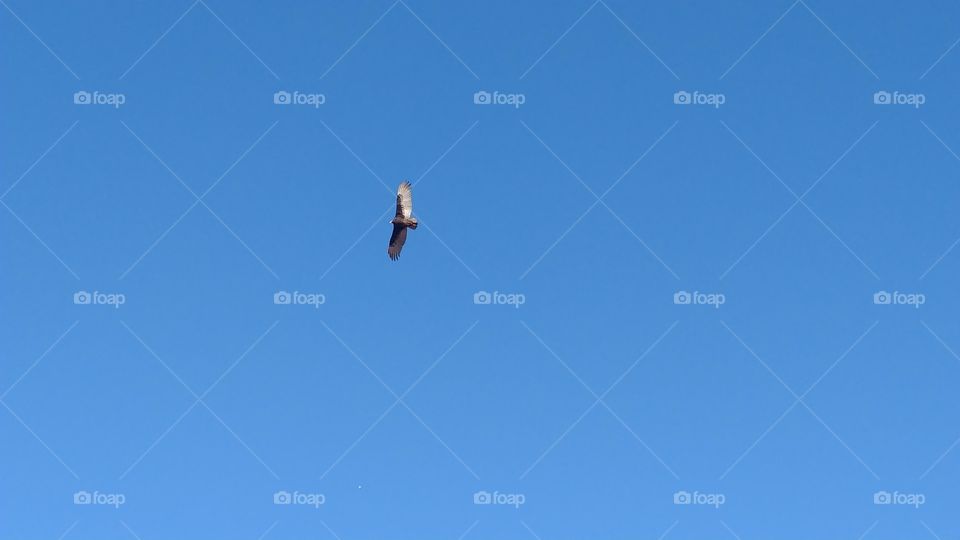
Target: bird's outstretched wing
[
  {"x": 397, "y": 239},
  {"x": 405, "y": 200}
]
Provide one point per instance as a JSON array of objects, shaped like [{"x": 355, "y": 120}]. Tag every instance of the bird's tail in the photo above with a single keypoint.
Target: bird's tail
[{"x": 413, "y": 223}]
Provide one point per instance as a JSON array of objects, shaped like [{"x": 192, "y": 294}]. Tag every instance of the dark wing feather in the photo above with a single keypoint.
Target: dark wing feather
[{"x": 397, "y": 239}]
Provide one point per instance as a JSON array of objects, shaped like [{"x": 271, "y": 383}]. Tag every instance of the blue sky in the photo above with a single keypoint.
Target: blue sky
[{"x": 684, "y": 270}]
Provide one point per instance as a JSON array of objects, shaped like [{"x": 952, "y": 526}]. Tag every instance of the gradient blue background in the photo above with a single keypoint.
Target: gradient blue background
[{"x": 95, "y": 412}]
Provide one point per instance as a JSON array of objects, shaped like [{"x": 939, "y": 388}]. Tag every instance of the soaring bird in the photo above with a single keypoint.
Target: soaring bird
[{"x": 402, "y": 220}]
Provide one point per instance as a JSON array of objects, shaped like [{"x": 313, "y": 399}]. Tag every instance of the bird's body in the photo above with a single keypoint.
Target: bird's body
[{"x": 402, "y": 220}]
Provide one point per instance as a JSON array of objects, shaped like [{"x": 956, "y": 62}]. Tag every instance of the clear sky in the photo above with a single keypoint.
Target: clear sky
[{"x": 684, "y": 270}]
